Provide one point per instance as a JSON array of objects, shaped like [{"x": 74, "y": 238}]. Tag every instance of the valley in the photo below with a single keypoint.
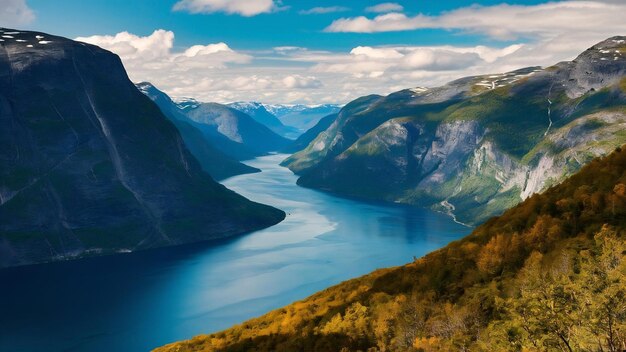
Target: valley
[
  {"x": 460, "y": 190},
  {"x": 142, "y": 300}
]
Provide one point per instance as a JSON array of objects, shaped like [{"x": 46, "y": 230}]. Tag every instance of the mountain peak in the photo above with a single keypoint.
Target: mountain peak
[
  {"x": 29, "y": 41},
  {"x": 611, "y": 49},
  {"x": 618, "y": 40},
  {"x": 89, "y": 165},
  {"x": 186, "y": 103}
]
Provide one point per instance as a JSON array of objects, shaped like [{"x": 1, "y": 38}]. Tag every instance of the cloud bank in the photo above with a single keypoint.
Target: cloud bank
[
  {"x": 538, "y": 35},
  {"x": 500, "y": 21}
]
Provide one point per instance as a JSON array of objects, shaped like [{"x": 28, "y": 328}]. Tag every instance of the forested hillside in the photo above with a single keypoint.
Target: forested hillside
[{"x": 547, "y": 275}]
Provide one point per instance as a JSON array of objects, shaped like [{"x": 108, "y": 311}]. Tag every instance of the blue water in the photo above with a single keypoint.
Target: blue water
[{"x": 138, "y": 301}]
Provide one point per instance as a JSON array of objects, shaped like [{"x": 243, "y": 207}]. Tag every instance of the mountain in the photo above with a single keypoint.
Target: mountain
[
  {"x": 478, "y": 145},
  {"x": 185, "y": 103},
  {"x": 547, "y": 275},
  {"x": 236, "y": 133},
  {"x": 230, "y": 131},
  {"x": 307, "y": 137},
  {"x": 317, "y": 150},
  {"x": 300, "y": 116},
  {"x": 258, "y": 112},
  {"x": 212, "y": 160},
  {"x": 89, "y": 165}
]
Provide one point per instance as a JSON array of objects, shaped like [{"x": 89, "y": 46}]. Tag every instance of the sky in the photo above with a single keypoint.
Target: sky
[{"x": 320, "y": 51}]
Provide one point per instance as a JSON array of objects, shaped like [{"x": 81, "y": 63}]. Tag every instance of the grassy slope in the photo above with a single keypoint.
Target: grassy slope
[
  {"x": 473, "y": 294},
  {"x": 307, "y": 137}
]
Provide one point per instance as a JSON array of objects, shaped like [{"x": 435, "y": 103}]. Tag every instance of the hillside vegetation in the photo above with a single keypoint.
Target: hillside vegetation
[
  {"x": 478, "y": 145},
  {"x": 547, "y": 275}
]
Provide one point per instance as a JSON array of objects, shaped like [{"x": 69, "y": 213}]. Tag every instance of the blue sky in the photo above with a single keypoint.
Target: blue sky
[
  {"x": 320, "y": 51},
  {"x": 282, "y": 28}
]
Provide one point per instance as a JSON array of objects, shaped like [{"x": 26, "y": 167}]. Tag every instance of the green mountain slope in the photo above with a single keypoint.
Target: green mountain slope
[
  {"x": 89, "y": 165},
  {"x": 212, "y": 160},
  {"x": 478, "y": 145},
  {"x": 307, "y": 137},
  {"x": 547, "y": 275},
  {"x": 323, "y": 146}
]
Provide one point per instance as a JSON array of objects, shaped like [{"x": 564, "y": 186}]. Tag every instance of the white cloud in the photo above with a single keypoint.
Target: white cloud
[
  {"x": 241, "y": 7},
  {"x": 15, "y": 13},
  {"x": 324, "y": 10},
  {"x": 130, "y": 46},
  {"x": 297, "y": 81},
  {"x": 383, "y": 23},
  {"x": 385, "y": 7},
  {"x": 212, "y": 72},
  {"x": 291, "y": 74},
  {"x": 502, "y": 21},
  {"x": 439, "y": 60},
  {"x": 141, "y": 54},
  {"x": 374, "y": 62},
  {"x": 287, "y": 49},
  {"x": 376, "y": 53}
]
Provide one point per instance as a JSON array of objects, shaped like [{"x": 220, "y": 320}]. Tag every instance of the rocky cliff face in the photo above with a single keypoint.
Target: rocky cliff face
[
  {"x": 89, "y": 165},
  {"x": 478, "y": 145}
]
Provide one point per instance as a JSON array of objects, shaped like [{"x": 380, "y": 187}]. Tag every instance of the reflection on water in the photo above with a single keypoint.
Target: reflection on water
[{"x": 141, "y": 300}]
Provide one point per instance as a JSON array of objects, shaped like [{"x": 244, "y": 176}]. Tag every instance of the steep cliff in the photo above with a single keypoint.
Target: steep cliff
[{"x": 89, "y": 165}]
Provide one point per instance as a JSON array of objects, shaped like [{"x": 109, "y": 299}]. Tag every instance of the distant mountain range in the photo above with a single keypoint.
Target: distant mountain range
[
  {"x": 296, "y": 117},
  {"x": 234, "y": 133},
  {"x": 258, "y": 112},
  {"x": 237, "y": 126},
  {"x": 215, "y": 162},
  {"x": 89, "y": 165},
  {"x": 478, "y": 145}
]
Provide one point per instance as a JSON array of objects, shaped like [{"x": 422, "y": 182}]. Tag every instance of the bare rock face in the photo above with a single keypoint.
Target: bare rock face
[
  {"x": 478, "y": 145},
  {"x": 600, "y": 66},
  {"x": 453, "y": 144},
  {"x": 89, "y": 165}
]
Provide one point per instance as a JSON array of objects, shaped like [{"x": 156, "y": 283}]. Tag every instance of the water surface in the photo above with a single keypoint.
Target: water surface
[{"x": 138, "y": 301}]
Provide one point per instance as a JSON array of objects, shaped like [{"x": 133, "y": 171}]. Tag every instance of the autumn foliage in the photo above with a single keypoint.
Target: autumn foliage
[{"x": 547, "y": 275}]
